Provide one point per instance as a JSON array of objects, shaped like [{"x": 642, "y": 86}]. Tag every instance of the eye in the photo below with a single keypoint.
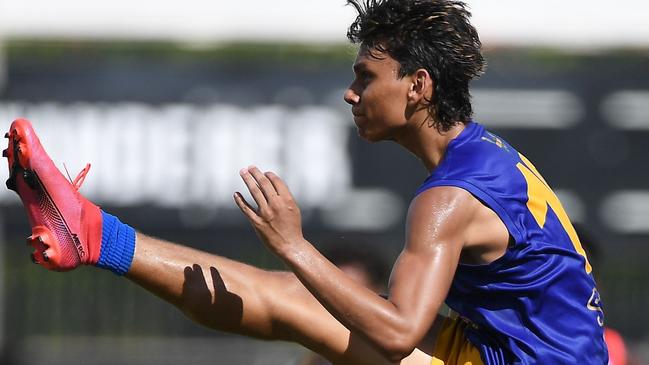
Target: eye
[{"x": 365, "y": 77}]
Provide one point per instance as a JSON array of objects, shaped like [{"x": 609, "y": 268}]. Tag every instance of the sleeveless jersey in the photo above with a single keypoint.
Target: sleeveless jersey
[{"x": 537, "y": 304}]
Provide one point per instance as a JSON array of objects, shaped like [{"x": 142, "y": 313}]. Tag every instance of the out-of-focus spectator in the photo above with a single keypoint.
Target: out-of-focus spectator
[{"x": 616, "y": 347}]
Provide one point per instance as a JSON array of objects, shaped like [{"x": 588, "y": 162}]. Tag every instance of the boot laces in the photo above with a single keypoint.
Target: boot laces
[{"x": 81, "y": 177}]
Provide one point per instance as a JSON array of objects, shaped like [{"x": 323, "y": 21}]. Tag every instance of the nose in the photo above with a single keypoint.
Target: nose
[{"x": 351, "y": 97}]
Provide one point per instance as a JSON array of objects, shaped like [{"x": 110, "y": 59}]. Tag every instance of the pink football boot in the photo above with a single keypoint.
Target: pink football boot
[{"x": 66, "y": 227}]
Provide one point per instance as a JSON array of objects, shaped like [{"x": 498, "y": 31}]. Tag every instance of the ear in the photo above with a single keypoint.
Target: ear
[{"x": 421, "y": 87}]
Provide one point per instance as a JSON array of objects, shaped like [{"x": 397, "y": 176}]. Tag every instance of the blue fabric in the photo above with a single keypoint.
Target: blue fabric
[
  {"x": 537, "y": 304},
  {"x": 117, "y": 245}
]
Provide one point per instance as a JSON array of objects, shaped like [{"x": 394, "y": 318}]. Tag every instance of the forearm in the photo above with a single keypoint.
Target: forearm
[{"x": 378, "y": 320}]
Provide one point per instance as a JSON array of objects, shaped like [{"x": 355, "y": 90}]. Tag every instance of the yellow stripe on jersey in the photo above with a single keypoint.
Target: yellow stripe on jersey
[{"x": 539, "y": 197}]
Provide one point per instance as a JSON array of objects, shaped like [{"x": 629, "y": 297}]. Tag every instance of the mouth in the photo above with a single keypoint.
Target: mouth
[{"x": 357, "y": 114}]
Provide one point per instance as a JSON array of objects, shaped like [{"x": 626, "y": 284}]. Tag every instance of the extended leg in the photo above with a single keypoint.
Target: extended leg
[
  {"x": 231, "y": 296},
  {"x": 68, "y": 231}
]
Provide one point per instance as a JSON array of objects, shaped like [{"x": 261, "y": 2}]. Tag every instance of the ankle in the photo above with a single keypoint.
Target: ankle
[{"x": 117, "y": 245}]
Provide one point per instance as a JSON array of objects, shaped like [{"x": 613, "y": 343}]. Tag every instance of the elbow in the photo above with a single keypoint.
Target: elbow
[
  {"x": 397, "y": 340},
  {"x": 395, "y": 355},
  {"x": 398, "y": 347}
]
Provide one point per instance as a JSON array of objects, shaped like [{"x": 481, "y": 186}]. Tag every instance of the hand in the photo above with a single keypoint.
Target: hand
[{"x": 277, "y": 220}]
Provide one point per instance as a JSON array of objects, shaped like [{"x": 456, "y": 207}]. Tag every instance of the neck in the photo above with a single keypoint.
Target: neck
[{"x": 427, "y": 143}]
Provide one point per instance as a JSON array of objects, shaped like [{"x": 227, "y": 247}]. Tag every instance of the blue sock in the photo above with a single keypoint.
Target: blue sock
[{"x": 117, "y": 245}]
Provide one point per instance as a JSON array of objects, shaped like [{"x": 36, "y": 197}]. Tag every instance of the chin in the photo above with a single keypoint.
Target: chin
[
  {"x": 363, "y": 134},
  {"x": 369, "y": 137}
]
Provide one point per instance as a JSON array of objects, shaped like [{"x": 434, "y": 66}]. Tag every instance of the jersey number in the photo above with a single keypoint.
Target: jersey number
[{"x": 540, "y": 196}]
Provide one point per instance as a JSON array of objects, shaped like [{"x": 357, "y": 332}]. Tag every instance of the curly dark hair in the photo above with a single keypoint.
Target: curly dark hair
[{"x": 435, "y": 35}]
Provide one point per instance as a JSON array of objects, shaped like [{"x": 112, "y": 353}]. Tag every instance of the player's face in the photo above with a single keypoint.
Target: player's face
[{"x": 378, "y": 96}]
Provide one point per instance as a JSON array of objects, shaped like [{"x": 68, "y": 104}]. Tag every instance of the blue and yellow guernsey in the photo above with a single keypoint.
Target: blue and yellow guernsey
[{"x": 537, "y": 304}]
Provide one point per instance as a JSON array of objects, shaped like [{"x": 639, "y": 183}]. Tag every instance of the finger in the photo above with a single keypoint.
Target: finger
[
  {"x": 280, "y": 186},
  {"x": 265, "y": 185},
  {"x": 256, "y": 193},
  {"x": 245, "y": 208}
]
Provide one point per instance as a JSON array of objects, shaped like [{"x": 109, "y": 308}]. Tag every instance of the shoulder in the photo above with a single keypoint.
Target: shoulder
[
  {"x": 452, "y": 216},
  {"x": 448, "y": 196},
  {"x": 441, "y": 212}
]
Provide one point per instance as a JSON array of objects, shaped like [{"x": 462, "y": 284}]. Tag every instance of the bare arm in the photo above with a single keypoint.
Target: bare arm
[{"x": 420, "y": 280}]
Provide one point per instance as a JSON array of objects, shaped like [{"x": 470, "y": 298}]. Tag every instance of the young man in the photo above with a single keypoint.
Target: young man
[{"x": 484, "y": 232}]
